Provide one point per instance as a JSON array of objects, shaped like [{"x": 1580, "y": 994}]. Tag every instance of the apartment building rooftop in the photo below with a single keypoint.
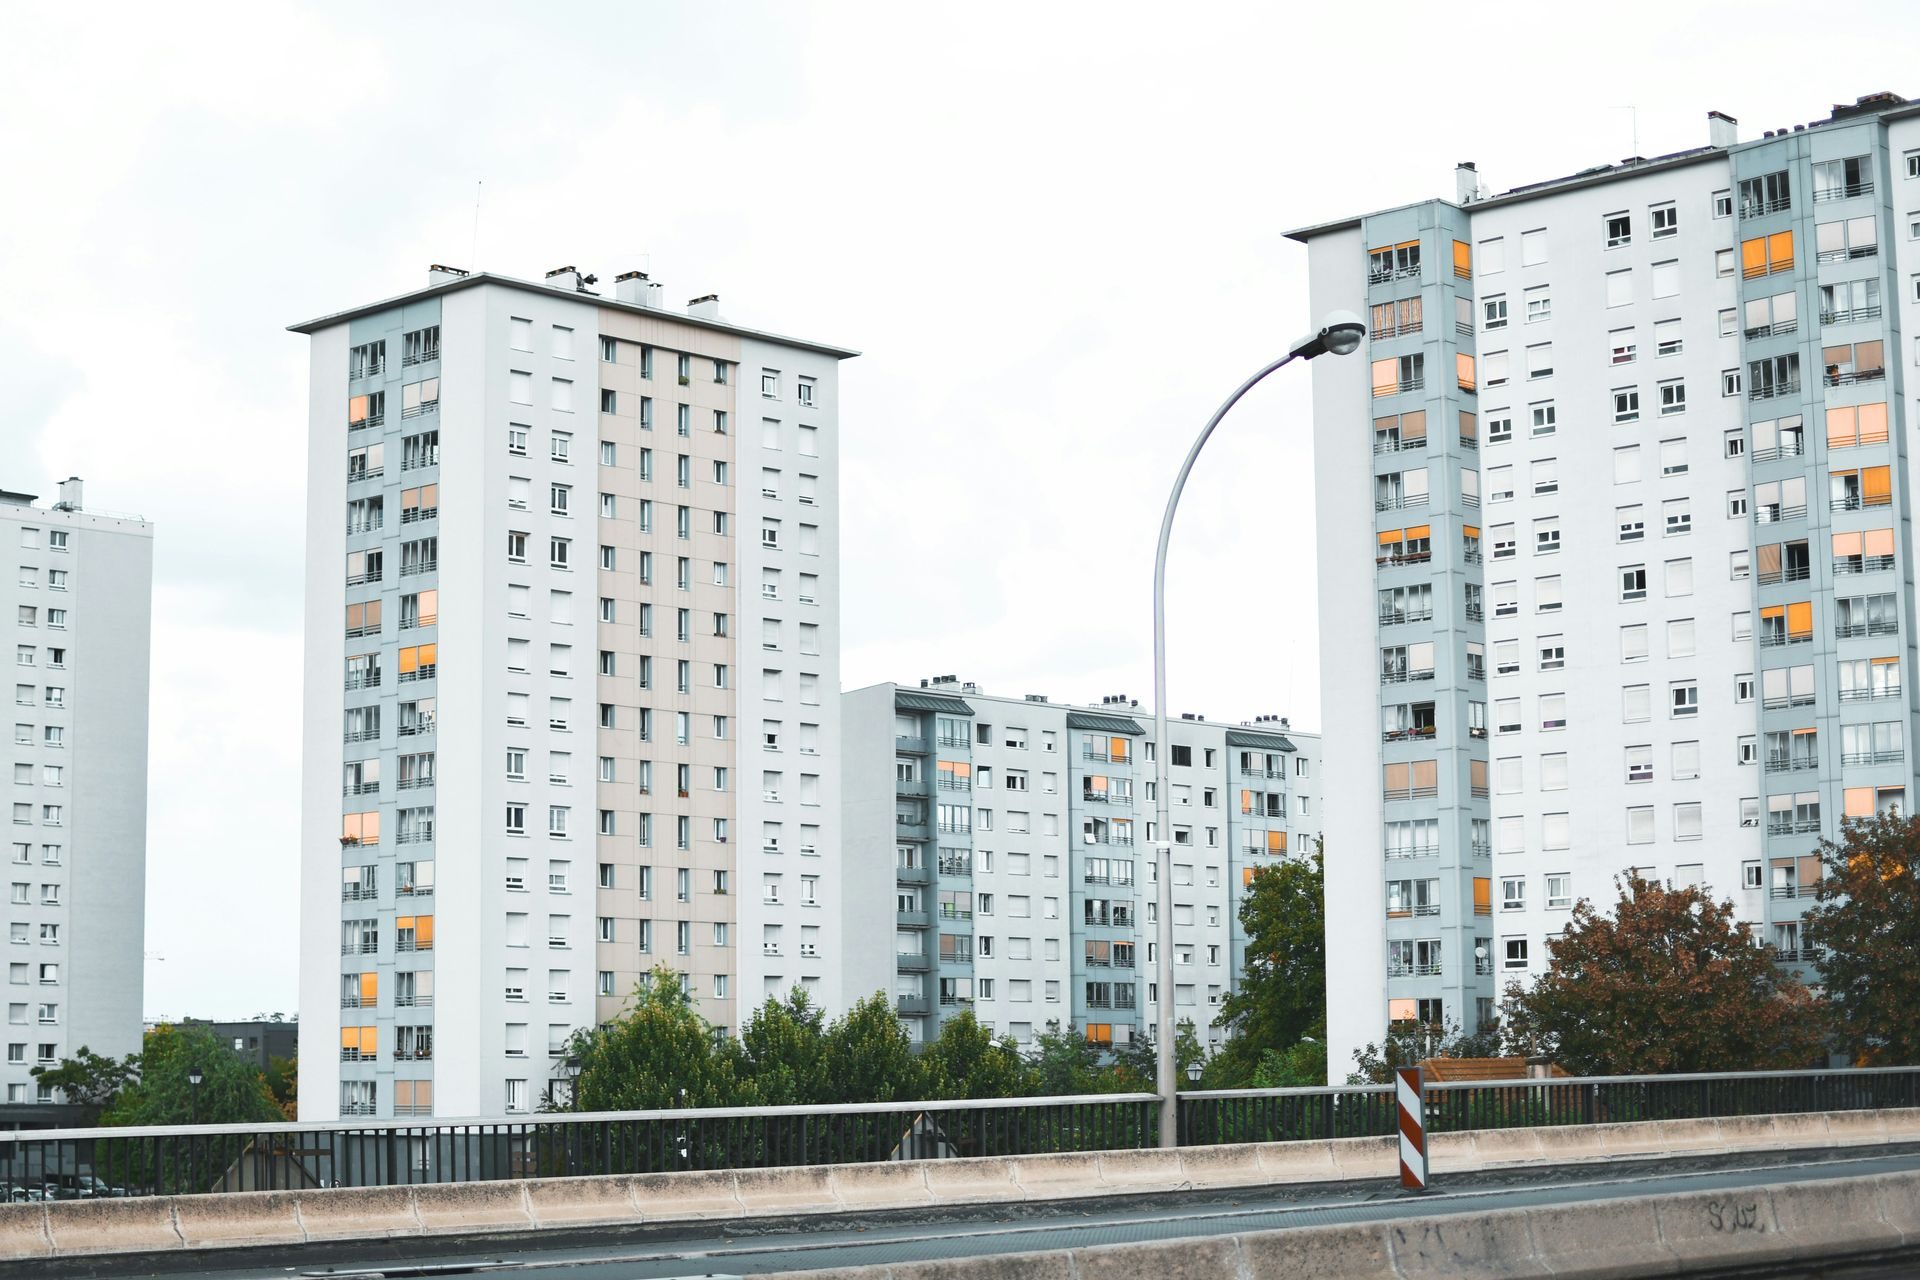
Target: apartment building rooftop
[
  {"x": 1723, "y": 134},
  {"x": 633, "y": 292}
]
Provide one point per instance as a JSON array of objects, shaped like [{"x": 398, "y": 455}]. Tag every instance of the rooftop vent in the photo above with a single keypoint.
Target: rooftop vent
[
  {"x": 705, "y": 307},
  {"x": 1723, "y": 130},
  {"x": 570, "y": 279},
  {"x": 437, "y": 274},
  {"x": 636, "y": 288}
]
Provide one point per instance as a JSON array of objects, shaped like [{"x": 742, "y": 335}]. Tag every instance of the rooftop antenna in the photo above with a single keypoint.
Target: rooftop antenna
[
  {"x": 474, "y": 257},
  {"x": 1633, "y": 113}
]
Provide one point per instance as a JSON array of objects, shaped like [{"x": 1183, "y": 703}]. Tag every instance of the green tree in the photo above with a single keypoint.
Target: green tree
[
  {"x": 1282, "y": 994},
  {"x": 660, "y": 1053},
  {"x": 784, "y": 1045},
  {"x": 1062, "y": 1062},
  {"x": 89, "y": 1079},
  {"x": 1302, "y": 1066},
  {"x": 1867, "y": 924},
  {"x": 1670, "y": 982},
  {"x": 869, "y": 1058},
  {"x": 231, "y": 1090},
  {"x": 1407, "y": 1044},
  {"x": 965, "y": 1061},
  {"x": 283, "y": 1082}
]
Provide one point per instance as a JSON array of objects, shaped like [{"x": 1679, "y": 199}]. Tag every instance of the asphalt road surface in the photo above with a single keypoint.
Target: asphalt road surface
[{"x": 741, "y": 1248}]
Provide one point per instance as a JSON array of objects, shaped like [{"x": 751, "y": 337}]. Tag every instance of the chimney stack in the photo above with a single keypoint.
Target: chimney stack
[
  {"x": 705, "y": 308},
  {"x": 566, "y": 278},
  {"x": 437, "y": 274},
  {"x": 1723, "y": 130},
  {"x": 634, "y": 287},
  {"x": 69, "y": 495},
  {"x": 1466, "y": 182}
]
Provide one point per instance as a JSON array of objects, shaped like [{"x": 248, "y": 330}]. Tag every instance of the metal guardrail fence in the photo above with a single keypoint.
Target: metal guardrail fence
[
  {"x": 51, "y": 1164},
  {"x": 1292, "y": 1115},
  {"x": 61, "y": 1163}
]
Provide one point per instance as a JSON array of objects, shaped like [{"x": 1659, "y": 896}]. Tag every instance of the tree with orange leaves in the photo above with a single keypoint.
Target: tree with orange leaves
[{"x": 1669, "y": 982}]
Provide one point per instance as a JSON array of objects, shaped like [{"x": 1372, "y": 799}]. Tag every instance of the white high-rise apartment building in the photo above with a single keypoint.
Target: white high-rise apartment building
[
  {"x": 1640, "y": 542},
  {"x": 78, "y": 600},
  {"x": 1014, "y": 840},
  {"x": 571, "y": 682}
]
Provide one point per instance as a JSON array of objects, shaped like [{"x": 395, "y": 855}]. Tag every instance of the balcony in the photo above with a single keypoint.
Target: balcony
[
  {"x": 1846, "y": 566},
  {"x": 1856, "y": 376},
  {"x": 1394, "y": 676},
  {"x": 413, "y": 515},
  {"x": 912, "y": 875},
  {"x": 413, "y": 1002},
  {"x": 1419, "y": 733},
  {"x": 948, "y": 911},
  {"x": 912, "y": 962},
  {"x": 1849, "y": 315},
  {"x": 417, "y": 410},
  {"x": 911, "y": 1006},
  {"x": 912, "y": 919},
  {"x": 414, "y": 1055},
  {"x": 1845, "y": 191},
  {"x": 1794, "y": 891},
  {"x": 424, "y": 356},
  {"x": 1778, "y": 329},
  {"x": 1412, "y": 851},
  {"x": 1875, "y": 627},
  {"x": 956, "y": 866},
  {"x": 1867, "y": 695},
  {"x": 1774, "y": 390},
  {"x": 1409, "y": 793},
  {"x": 1790, "y": 764},
  {"x": 1873, "y": 757},
  {"x": 1400, "y": 502}
]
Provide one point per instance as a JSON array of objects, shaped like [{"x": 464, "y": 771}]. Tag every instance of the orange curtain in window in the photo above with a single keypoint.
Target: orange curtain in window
[
  {"x": 350, "y": 1039},
  {"x": 1386, "y": 376},
  {"x": 1389, "y": 537},
  {"x": 1276, "y": 842},
  {"x": 1780, "y": 251},
  {"x": 1097, "y": 784},
  {"x": 1809, "y": 870},
  {"x": 1842, "y": 428},
  {"x": 1401, "y": 1009},
  {"x": 1876, "y": 486},
  {"x": 1246, "y": 802},
  {"x": 1477, "y": 771},
  {"x": 1753, "y": 256},
  {"x": 1482, "y": 896},
  {"x": 1873, "y": 423},
  {"x": 1246, "y": 876},
  {"x": 1463, "y": 370},
  {"x": 1846, "y": 544},
  {"x": 1118, "y": 749},
  {"x": 1859, "y": 802},
  {"x": 1462, "y": 259},
  {"x": 1419, "y": 531},
  {"x": 369, "y": 990},
  {"x": 1413, "y": 426},
  {"x": 1800, "y": 618},
  {"x": 1470, "y": 531},
  {"x": 1769, "y": 558},
  {"x": 1396, "y": 776},
  {"x": 429, "y": 605},
  {"x": 1469, "y": 426},
  {"x": 1879, "y": 542},
  {"x": 1772, "y": 611},
  {"x": 423, "y": 931},
  {"x": 409, "y": 661},
  {"x": 409, "y": 499},
  {"x": 429, "y": 654},
  {"x": 357, "y": 409},
  {"x": 1387, "y": 423},
  {"x": 1426, "y": 774}
]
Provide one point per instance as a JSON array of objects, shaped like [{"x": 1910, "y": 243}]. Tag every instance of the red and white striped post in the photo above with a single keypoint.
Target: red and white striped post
[{"x": 1411, "y": 1095}]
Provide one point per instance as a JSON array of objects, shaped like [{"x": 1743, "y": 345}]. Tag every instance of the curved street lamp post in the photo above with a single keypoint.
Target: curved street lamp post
[{"x": 1340, "y": 333}]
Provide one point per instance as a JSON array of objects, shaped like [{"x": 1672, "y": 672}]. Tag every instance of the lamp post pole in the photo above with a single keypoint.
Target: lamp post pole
[{"x": 1340, "y": 334}]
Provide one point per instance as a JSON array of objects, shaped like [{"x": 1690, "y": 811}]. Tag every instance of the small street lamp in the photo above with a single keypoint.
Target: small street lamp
[
  {"x": 195, "y": 1078},
  {"x": 1340, "y": 333},
  {"x": 1193, "y": 1072}
]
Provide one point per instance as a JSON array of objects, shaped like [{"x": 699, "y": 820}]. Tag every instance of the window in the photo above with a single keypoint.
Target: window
[
  {"x": 1633, "y": 582},
  {"x": 1539, "y": 304},
  {"x": 1666, "y": 278},
  {"x": 1493, "y": 311},
  {"x": 1626, "y": 464},
  {"x": 1684, "y": 698},
  {"x": 1729, "y": 384},
  {"x": 1626, "y": 405},
  {"x": 1673, "y": 453},
  {"x": 1723, "y": 204},
  {"x": 1539, "y": 361},
  {"x": 1668, "y": 340},
  {"x": 1533, "y": 248}
]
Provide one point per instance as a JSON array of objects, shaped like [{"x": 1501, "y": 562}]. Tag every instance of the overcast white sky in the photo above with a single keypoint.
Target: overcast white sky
[{"x": 1055, "y": 230}]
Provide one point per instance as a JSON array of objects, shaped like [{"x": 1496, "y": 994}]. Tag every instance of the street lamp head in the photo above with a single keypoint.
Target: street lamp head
[
  {"x": 1193, "y": 1072},
  {"x": 1340, "y": 332},
  {"x": 195, "y": 1076}
]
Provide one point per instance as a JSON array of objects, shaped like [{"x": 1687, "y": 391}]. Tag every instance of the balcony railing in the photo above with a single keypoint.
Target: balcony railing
[
  {"x": 1858, "y": 375},
  {"x": 1876, "y": 627},
  {"x": 1845, "y": 191},
  {"x": 1412, "y": 851},
  {"x": 1759, "y": 208},
  {"x": 420, "y": 357},
  {"x": 1409, "y": 793},
  {"x": 1872, "y": 757},
  {"x": 1405, "y": 677},
  {"x": 1415, "y": 734},
  {"x": 1773, "y": 453},
  {"x": 1774, "y": 390},
  {"x": 1850, "y": 253},
  {"x": 425, "y": 406},
  {"x": 1849, "y": 315},
  {"x": 1777, "y": 329},
  {"x": 1400, "y": 502},
  {"x": 413, "y": 515},
  {"x": 1790, "y": 764},
  {"x": 1866, "y": 695}
]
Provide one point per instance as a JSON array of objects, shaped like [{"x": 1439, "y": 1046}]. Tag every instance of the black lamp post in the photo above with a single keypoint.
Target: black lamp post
[{"x": 195, "y": 1078}]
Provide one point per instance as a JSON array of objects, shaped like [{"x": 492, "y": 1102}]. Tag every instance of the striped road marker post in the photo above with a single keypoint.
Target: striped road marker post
[{"x": 1411, "y": 1095}]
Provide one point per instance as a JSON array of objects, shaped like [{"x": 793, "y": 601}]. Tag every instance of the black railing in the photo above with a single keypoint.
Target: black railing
[
  {"x": 371, "y": 1153},
  {"x": 216, "y": 1158},
  {"x": 1283, "y": 1115}
]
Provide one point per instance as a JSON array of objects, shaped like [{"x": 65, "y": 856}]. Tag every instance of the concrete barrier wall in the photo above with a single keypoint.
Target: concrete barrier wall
[
  {"x": 79, "y": 1227},
  {"x": 1672, "y": 1235}
]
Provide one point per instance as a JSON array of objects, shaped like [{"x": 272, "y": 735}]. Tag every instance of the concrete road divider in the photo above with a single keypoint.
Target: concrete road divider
[
  {"x": 142, "y": 1225},
  {"x": 1619, "y": 1239}
]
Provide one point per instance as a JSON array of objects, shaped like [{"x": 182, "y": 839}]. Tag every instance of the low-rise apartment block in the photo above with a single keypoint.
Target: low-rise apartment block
[{"x": 1013, "y": 837}]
